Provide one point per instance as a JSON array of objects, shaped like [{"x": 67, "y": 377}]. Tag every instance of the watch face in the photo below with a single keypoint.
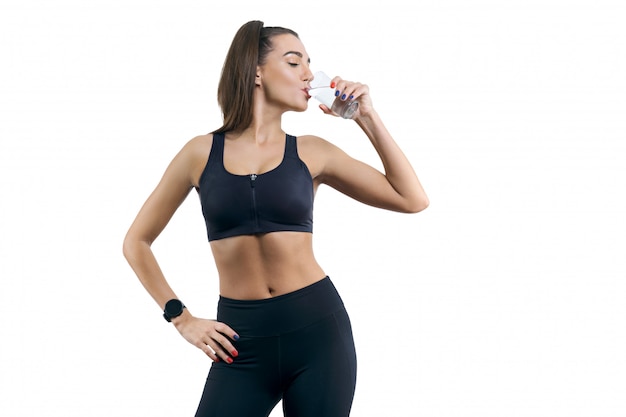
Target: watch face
[{"x": 174, "y": 308}]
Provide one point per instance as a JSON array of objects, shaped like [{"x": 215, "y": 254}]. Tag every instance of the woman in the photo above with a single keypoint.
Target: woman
[{"x": 282, "y": 331}]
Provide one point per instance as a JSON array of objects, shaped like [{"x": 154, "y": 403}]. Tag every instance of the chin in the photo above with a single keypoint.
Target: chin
[{"x": 300, "y": 108}]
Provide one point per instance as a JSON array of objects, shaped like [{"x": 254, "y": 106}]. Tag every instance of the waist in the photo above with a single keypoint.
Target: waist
[
  {"x": 257, "y": 267},
  {"x": 281, "y": 314}
]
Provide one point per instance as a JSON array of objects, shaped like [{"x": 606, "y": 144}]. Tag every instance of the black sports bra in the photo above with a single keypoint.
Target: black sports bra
[{"x": 277, "y": 200}]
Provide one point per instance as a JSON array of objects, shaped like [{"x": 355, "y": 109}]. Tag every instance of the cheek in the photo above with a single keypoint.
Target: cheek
[
  {"x": 282, "y": 85},
  {"x": 280, "y": 91}
]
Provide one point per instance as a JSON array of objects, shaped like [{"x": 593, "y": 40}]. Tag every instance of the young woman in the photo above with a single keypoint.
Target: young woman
[{"x": 281, "y": 331}]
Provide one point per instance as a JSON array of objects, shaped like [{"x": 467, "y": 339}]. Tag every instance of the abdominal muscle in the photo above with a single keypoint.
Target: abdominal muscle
[{"x": 255, "y": 267}]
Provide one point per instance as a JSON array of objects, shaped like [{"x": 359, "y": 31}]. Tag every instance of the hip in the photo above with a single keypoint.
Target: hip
[{"x": 281, "y": 314}]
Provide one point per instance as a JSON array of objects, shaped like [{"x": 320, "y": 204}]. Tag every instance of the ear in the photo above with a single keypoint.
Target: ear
[{"x": 257, "y": 79}]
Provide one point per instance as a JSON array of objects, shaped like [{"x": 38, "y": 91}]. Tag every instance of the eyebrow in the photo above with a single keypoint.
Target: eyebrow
[{"x": 296, "y": 53}]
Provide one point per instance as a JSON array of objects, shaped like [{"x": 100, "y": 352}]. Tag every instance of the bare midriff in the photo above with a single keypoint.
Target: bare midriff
[{"x": 255, "y": 267}]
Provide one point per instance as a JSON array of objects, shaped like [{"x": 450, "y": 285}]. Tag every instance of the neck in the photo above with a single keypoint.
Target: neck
[{"x": 266, "y": 123}]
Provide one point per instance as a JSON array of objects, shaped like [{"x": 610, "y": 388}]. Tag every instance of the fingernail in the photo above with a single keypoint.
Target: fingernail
[
  {"x": 343, "y": 97},
  {"x": 351, "y": 97},
  {"x": 236, "y": 337},
  {"x": 234, "y": 353},
  {"x": 333, "y": 84},
  {"x": 336, "y": 93},
  {"x": 216, "y": 360},
  {"x": 229, "y": 360}
]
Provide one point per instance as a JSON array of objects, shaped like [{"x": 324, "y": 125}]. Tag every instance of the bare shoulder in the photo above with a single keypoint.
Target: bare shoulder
[
  {"x": 310, "y": 146},
  {"x": 317, "y": 153},
  {"x": 195, "y": 154},
  {"x": 312, "y": 143},
  {"x": 314, "y": 152},
  {"x": 199, "y": 145}
]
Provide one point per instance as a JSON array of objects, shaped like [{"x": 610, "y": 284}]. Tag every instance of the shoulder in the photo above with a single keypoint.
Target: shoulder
[
  {"x": 194, "y": 155},
  {"x": 315, "y": 144},
  {"x": 317, "y": 153},
  {"x": 197, "y": 148},
  {"x": 199, "y": 144}
]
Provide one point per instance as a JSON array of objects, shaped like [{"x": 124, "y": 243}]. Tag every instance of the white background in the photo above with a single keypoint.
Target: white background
[{"x": 506, "y": 297}]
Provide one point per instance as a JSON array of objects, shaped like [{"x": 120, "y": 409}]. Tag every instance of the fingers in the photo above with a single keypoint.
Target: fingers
[
  {"x": 348, "y": 90},
  {"x": 222, "y": 348},
  {"x": 326, "y": 110},
  {"x": 208, "y": 350},
  {"x": 217, "y": 345},
  {"x": 226, "y": 330}
]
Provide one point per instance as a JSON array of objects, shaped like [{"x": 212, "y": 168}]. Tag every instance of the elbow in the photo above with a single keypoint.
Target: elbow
[
  {"x": 127, "y": 248},
  {"x": 417, "y": 205},
  {"x": 135, "y": 245},
  {"x": 130, "y": 245}
]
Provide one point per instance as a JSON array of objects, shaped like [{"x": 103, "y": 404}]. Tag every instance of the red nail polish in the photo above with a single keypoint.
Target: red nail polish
[
  {"x": 234, "y": 353},
  {"x": 229, "y": 360},
  {"x": 332, "y": 85}
]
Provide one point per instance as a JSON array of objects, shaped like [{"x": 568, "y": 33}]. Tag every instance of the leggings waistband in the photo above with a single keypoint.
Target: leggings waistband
[{"x": 281, "y": 314}]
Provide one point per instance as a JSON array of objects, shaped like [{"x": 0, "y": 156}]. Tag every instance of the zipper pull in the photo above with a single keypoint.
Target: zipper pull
[{"x": 252, "y": 179}]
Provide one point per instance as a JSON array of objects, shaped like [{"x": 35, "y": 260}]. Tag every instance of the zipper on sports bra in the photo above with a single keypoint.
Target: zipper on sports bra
[{"x": 252, "y": 186}]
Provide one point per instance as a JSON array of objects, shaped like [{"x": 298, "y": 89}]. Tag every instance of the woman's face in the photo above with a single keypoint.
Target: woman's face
[{"x": 285, "y": 76}]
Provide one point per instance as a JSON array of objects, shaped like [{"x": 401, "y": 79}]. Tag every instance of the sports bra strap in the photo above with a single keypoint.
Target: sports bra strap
[
  {"x": 291, "y": 149},
  {"x": 218, "y": 144}
]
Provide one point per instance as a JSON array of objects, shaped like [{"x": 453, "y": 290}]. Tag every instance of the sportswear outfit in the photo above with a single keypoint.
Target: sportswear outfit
[{"x": 296, "y": 347}]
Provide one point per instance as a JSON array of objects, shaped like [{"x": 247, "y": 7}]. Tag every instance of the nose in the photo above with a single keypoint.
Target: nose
[{"x": 308, "y": 75}]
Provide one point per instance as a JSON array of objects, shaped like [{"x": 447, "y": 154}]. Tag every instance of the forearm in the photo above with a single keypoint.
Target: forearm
[
  {"x": 398, "y": 170},
  {"x": 141, "y": 259},
  {"x": 212, "y": 337}
]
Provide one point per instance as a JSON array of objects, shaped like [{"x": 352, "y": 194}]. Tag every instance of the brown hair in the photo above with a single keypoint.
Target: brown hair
[{"x": 249, "y": 48}]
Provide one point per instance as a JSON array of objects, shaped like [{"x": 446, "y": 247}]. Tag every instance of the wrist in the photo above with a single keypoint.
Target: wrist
[
  {"x": 182, "y": 319},
  {"x": 368, "y": 117},
  {"x": 370, "y": 122},
  {"x": 173, "y": 308}
]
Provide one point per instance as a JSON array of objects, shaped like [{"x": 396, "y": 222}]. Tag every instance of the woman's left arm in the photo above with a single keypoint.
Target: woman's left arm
[{"x": 398, "y": 188}]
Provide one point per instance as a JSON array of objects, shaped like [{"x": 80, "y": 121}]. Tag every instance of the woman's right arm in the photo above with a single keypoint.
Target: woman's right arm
[{"x": 177, "y": 181}]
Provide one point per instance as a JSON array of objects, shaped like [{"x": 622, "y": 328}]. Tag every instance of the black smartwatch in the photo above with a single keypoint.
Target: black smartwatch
[{"x": 173, "y": 308}]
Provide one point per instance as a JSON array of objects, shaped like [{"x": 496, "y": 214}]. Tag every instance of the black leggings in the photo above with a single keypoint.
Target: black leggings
[{"x": 297, "y": 347}]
